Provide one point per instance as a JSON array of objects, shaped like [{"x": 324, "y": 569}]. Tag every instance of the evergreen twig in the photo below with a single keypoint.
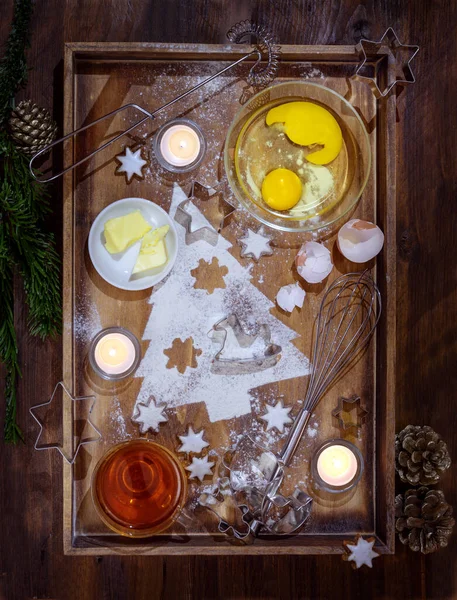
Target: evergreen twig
[{"x": 25, "y": 248}]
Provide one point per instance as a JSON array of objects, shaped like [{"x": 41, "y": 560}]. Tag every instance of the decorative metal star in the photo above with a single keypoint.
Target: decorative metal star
[
  {"x": 389, "y": 46},
  {"x": 82, "y": 440},
  {"x": 349, "y": 405}
]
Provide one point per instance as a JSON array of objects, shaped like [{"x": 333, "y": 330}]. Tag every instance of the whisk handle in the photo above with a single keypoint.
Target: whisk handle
[
  {"x": 285, "y": 456},
  {"x": 294, "y": 437}
]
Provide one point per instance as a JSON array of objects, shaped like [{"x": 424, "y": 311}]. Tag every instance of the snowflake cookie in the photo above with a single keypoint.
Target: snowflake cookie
[
  {"x": 131, "y": 163},
  {"x": 360, "y": 551},
  {"x": 199, "y": 468},
  {"x": 277, "y": 416},
  {"x": 148, "y": 416},
  {"x": 192, "y": 442}
]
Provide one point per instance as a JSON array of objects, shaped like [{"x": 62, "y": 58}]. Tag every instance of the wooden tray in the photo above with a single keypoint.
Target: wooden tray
[{"x": 99, "y": 77}]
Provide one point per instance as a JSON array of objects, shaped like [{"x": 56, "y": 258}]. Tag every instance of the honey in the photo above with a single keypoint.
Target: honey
[{"x": 138, "y": 488}]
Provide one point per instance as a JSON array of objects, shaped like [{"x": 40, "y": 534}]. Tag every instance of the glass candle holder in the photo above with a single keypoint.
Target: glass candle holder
[
  {"x": 337, "y": 466},
  {"x": 179, "y": 146},
  {"x": 114, "y": 353},
  {"x": 139, "y": 488}
]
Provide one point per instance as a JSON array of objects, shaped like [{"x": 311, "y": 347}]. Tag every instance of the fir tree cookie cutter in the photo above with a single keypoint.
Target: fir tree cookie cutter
[
  {"x": 388, "y": 48},
  {"x": 200, "y": 192},
  {"x": 68, "y": 450},
  {"x": 249, "y": 353}
]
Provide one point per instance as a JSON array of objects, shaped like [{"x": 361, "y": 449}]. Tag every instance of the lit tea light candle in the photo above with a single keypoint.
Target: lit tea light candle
[
  {"x": 337, "y": 466},
  {"x": 114, "y": 353},
  {"x": 179, "y": 145}
]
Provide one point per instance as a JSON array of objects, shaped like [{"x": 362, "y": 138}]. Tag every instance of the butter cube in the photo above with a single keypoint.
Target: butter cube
[
  {"x": 152, "y": 238},
  {"x": 122, "y": 232},
  {"x": 156, "y": 256}
]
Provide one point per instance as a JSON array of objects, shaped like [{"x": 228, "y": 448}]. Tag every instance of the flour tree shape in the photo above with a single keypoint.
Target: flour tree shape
[{"x": 180, "y": 310}]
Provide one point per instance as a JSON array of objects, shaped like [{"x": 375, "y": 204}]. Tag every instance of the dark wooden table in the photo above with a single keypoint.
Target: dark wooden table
[{"x": 32, "y": 564}]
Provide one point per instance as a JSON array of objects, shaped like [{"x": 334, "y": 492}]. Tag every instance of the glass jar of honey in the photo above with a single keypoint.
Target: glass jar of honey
[{"x": 139, "y": 488}]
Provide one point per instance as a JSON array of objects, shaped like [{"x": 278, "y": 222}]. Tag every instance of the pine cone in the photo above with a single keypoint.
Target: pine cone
[
  {"x": 424, "y": 520},
  {"x": 31, "y": 127},
  {"x": 420, "y": 455}
]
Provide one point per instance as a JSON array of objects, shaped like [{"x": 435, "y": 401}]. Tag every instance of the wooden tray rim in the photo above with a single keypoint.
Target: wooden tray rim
[{"x": 324, "y": 53}]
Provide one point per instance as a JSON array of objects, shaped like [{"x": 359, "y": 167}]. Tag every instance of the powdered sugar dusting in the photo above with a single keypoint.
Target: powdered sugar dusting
[
  {"x": 87, "y": 319},
  {"x": 181, "y": 311}
]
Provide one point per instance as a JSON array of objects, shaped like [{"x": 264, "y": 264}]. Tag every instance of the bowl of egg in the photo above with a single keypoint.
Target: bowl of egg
[{"x": 297, "y": 156}]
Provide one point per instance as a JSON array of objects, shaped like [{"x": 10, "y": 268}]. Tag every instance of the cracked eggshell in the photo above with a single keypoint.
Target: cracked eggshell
[
  {"x": 313, "y": 262},
  {"x": 290, "y": 296},
  {"x": 360, "y": 241}
]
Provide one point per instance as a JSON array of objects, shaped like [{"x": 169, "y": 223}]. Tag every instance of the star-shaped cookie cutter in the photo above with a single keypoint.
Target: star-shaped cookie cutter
[
  {"x": 343, "y": 404},
  {"x": 199, "y": 191},
  {"x": 59, "y": 447},
  {"x": 232, "y": 366},
  {"x": 387, "y": 47}
]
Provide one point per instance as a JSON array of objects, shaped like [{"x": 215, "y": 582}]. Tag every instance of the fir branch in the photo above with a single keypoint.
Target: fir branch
[
  {"x": 8, "y": 342},
  {"x": 23, "y": 207},
  {"x": 24, "y": 246},
  {"x": 13, "y": 67}
]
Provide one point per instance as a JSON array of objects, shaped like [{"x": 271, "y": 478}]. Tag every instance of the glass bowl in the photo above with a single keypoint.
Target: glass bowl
[
  {"x": 253, "y": 149},
  {"x": 139, "y": 488}
]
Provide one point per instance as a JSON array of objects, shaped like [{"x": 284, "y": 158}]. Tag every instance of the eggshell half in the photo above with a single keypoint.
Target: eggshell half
[{"x": 360, "y": 241}]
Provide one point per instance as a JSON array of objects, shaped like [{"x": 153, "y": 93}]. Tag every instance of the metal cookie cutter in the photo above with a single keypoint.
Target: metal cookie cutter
[
  {"x": 346, "y": 405},
  {"x": 70, "y": 457},
  {"x": 199, "y": 192},
  {"x": 236, "y": 365},
  {"x": 389, "y": 47},
  {"x": 231, "y": 516},
  {"x": 251, "y": 498}
]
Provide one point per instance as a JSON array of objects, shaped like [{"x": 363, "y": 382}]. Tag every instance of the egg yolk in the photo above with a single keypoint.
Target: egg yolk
[
  {"x": 306, "y": 124},
  {"x": 281, "y": 189}
]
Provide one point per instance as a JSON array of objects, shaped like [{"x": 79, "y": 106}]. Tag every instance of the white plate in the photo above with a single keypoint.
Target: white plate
[{"x": 116, "y": 269}]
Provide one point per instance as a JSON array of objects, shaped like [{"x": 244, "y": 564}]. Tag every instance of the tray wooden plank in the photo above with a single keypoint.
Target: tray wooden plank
[{"x": 98, "y": 78}]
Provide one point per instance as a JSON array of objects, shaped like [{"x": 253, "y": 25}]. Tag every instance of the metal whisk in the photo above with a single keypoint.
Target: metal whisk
[
  {"x": 259, "y": 76},
  {"x": 348, "y": 315}
]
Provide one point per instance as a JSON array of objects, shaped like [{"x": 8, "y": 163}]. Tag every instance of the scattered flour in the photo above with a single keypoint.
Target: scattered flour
[
  {"x": 181, "y": 311},
  {"x": 87, "y": 319}
]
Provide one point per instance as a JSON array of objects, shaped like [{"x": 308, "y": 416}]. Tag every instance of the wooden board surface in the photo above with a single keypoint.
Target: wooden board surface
[
  {"x": 104, "y": 76},
  {"x": 32, "y": 562}
]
